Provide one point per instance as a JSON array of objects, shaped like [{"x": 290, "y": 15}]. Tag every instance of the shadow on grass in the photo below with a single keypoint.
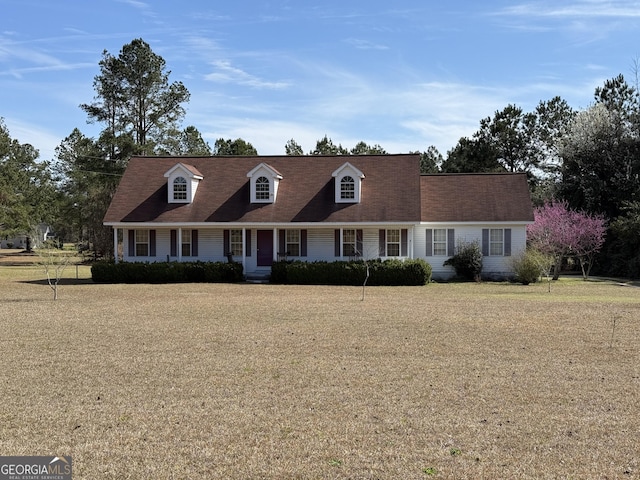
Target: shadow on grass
[{"x": 61, "y": 282}]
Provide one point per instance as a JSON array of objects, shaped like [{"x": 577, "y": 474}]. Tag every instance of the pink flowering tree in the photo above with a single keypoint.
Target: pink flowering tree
[{"x": 561, "y": 232}]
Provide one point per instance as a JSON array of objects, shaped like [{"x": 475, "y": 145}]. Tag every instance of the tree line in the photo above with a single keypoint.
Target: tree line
[{"x": 588, "y": 159}]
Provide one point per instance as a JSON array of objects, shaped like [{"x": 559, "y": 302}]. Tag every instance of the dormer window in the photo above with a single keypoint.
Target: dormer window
[
  {"x": 262, "y": 188},
  {"x": 264, "y": 181},
  {"x": 347, "y": 188},
  {"x": 180, "y": 188},
  {"x": 348, "y": 181},
  {"x": 182, "y": 183}
]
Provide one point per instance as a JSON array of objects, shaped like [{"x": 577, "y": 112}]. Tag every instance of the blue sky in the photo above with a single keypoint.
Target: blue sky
[{"x": 405, "y": 74}]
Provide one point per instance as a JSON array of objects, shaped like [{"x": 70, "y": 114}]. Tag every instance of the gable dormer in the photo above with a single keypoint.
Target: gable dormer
[
  {"x": 348, "y": 184},
  {"x": 182, "y": 183},
  {"x": 264, "y": 180}
]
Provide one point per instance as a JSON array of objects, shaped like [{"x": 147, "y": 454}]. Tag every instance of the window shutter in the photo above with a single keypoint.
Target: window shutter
[
  {"x": 359, "y": 236},
  {"x": 303, "y": 243},
  {"x": 247, "y": 239},
  {"x": 282, "y": 242},
  {"x": 404, "y": 242},
  {"x": 485, "y": 242},
  {"x": 451, "y": 242},
  {"x": 429, "y": 242},
  {"x": 194, "y": 243},
  {"x": 132, "y": 243},
  {"x": 174, "y": 243},
  {"x": 226, "y": 242},
  {"x": 507, "y": 242},
  {"x": 337, "y": 242},
  {"x": 382, "y": 240},
  {"x": 152, "y": 243}
]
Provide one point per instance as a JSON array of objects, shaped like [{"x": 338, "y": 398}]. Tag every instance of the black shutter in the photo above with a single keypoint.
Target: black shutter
[
  {"x": 382, "y": 241},
  {"x": 132, "y": 243},
  {"x": 359, "y": 236},
  {"x": 152, "y": 243},
  {"x": 404, "y": 242},
  {"x": 303, "y": 243},
  {"x": 174, "y": 243},
  {"x": 507, "y": 242},
  {"x": 336, "y": 243},
  {"x": 451, "y": 242},
  {"x": 194, "y": 243},
  {"x": 429, "y": 242},
  {"x": 226, "y": 242},
  {"x": 485, "y": 242},
  {"x": 247, "y": 239}
]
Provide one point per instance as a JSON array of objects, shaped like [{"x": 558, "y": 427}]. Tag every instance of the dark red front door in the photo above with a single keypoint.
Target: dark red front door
[{"x": 265, "y": 248}]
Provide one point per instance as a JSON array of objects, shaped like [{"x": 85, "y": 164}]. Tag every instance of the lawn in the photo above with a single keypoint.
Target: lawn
[{"x": 284, "y": 382}]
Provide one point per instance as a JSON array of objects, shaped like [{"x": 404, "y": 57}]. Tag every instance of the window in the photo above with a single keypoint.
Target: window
[
  {"x": 496, "y": 241},
  {"x": 349, "y": 243},
  {"x": 440, "y": 241},
  {"x": 292, "y": 243},
  {"x": 236, "y": 242},
  {"x": 142, "y": 243},
  {"x": 262, "y": 188},
  {"x": 393, "y": 243},
  {"x": 347, "y": 188},
  {"x": 186, "y": 243},
  {"x": 180, "y": 188}
]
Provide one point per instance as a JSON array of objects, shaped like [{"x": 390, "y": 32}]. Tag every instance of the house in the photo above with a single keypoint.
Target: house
[{"x": 256, "y": 210}]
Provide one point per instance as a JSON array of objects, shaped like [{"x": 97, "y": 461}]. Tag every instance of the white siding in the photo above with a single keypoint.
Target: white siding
[{"x": 492, "y": 266}]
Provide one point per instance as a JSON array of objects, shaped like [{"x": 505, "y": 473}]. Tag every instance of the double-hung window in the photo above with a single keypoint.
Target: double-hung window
[
  {"x": 235, "y": 242},
  {"x": 349, "y": 248},
  {"x": 292, "y": 243},
  {"x": 496, "y": 241},
  {"x": 186, "y": 243},
  {"x": 440, "y": 241},
  {"x": 393, "y": 243},
  {"x": 142, "y": 243}
]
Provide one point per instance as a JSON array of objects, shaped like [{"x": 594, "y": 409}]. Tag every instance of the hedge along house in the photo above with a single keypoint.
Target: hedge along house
[{"x": 260, "y": 209}]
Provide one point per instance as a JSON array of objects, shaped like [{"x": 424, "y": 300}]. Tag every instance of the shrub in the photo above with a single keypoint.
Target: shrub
[
  {"x": 387, "y": 272},
  {"x": 530, "y": 265},
  {"x": 166, "y": 272},
  {"x": 467, "y": 262}
]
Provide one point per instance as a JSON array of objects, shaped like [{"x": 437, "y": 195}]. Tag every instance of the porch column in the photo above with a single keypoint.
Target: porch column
[
  {"x": 244, "y": 249},
  {"x": 276, "y": 246},
  {"x": 115, "y": 244},
  {"x": 179, "y": 244}
]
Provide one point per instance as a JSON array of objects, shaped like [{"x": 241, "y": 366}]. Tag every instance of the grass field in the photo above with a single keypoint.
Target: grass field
[{"x": 284, "y": 382}]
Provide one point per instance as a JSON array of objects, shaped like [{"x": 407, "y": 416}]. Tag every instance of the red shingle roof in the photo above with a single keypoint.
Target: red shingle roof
[
  {"x": 390, "y": 190},
  {"x": 481, "y": 197}
]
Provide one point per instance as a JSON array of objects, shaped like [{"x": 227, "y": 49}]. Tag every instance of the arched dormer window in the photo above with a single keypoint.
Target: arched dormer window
[
  {"x": 347, "y": 188},
  {"x": 262, "y": 188},
  {"x": 264, "y": 181},
  {"x": 182, "y": 183},
  {"x": 180, "y": 188},
  {"x": 348, "y": 184}
]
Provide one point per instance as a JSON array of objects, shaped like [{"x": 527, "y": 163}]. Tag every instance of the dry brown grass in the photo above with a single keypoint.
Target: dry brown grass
[{"x": 260, "y": 381}]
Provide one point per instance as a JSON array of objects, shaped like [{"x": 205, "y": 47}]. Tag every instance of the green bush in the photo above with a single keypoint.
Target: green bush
[
  {"x": 166, "y": 272},
  {"x": 467, "y": 262},
  {"x": 387, "y": 272},
  {"x": 530, "y": 265}
]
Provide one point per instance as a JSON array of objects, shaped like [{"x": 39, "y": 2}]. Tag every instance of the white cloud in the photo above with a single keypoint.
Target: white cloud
[{"x": 224, "y": 72}]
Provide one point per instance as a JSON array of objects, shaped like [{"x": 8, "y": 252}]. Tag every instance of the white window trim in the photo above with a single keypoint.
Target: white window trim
[
  {"x": 492, "y": 242},
  {"x": 272, "y": 175},
  {"x": 193, "y": 180},
  {"x": 348, "y": 170}
]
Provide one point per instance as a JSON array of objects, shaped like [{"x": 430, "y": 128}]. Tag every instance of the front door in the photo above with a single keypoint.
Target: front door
[{"x": 265, "y": 248}]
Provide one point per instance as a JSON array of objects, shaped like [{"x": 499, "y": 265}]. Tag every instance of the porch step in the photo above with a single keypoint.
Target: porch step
[{"x": 258, "y": 277}]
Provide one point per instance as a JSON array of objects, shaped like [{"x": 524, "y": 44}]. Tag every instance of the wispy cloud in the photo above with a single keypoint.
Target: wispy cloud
[
  {"x": 584, "y": 8},
  {"x": 224, "y": 72},
  {"x": 365, "y": 44}
]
